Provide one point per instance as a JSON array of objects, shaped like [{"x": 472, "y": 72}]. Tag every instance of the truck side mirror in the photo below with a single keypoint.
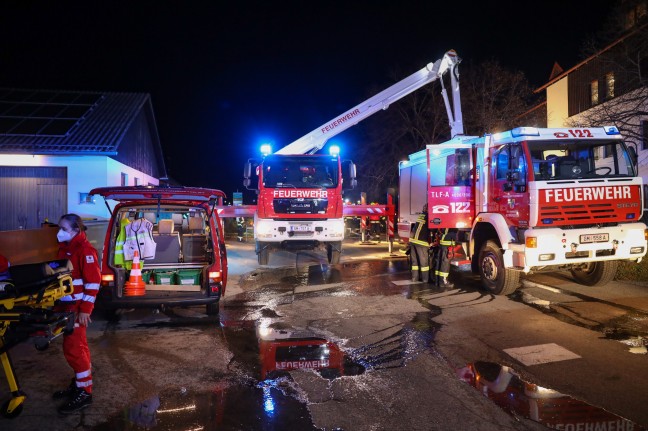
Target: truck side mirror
[
  {"x": 349, "y": 180},
  {"x": 633, "y": 155},
  {"x": 249, "y": 174}
]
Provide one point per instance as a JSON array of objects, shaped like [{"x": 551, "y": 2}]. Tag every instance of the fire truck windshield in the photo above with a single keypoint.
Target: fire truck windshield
[
  {"x": 577, "y": 159},
  {"x": 300, "y": 171}
]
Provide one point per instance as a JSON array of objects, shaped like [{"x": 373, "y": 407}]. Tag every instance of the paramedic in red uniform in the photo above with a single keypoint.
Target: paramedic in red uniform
[{"x": 86, "y": 276}]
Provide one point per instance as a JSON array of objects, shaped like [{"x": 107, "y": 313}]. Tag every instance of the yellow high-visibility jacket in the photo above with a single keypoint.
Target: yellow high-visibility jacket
[{"x": 119, "y": 246}]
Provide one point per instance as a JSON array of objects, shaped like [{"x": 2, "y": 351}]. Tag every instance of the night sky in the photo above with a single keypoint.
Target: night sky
[{"x": 225, "y": 76}]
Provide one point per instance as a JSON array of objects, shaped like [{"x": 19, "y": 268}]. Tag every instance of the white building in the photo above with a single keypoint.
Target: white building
[{"x": 55, "y": 146}]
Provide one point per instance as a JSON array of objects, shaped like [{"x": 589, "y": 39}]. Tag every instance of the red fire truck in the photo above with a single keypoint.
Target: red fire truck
[
  {"x": 299, "y": 204},
  {"x": 530, "y": 200},
  {"x": 285, "y": 350}
]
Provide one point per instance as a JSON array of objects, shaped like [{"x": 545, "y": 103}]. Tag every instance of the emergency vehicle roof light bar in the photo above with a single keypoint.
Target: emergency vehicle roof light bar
[
  {"x": 611, "y": 130},
  {"x": 266, "y": 149},
  {"x": 315, "y": 140},
  {"x": 524, "y": 131}
]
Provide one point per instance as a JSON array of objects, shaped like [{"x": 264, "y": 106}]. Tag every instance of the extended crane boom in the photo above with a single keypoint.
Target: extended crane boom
[{"x": 315, "y": 140}]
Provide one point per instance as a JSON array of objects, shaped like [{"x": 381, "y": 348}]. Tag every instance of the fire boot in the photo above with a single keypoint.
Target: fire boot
[
  {"x": 415, "y": 274},
  {"x": 444, "y": 283},
  {"x": 67, "y": 392},
  {"x": 80, "y": 400}
]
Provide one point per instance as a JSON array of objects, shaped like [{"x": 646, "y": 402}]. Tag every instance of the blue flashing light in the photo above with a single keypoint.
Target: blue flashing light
[
  {"x": 547, "y": 221},
  {"x": 611, "y": 130},
  {"x": 630, "y": 216},
  {"x": 334, "y": 150},
  {"x": 525, "y": 131},
  {"x": 266, "y": 149},
  {"x": 268, "y": 402}
]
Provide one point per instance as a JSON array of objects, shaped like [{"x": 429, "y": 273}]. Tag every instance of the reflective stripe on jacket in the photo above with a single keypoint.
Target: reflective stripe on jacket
[{"x": 420, "y": 233}]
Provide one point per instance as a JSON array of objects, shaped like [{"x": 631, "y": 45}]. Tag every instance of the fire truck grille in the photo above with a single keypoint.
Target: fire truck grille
[
  {"x": 568, "y": 214},
  {"x": 300, "y": 206}
]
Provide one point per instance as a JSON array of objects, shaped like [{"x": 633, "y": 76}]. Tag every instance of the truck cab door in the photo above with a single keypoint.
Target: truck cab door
[
  {"x": 509, "y": 187},
  {"x": 450, "y": 193}
]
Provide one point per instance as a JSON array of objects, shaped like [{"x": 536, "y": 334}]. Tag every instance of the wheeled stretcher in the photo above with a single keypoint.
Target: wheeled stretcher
[{"x": 26, "y": 302}]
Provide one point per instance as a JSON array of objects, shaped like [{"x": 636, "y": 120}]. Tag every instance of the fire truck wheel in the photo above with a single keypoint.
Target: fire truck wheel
[
  {"x": 595, "y": 273},
  {"x": 495, "y": 277},
  {"x": 263, "y": 256}
]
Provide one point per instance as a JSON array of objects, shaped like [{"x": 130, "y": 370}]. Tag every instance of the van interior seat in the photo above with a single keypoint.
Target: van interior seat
[
  {"x": 194, "y": 243},
  {"x": 150, "y": 217},
  {"x": 177, "y": 221},
  {"x": 168, "y": 243},
  {"x": 196, "y": 225}
]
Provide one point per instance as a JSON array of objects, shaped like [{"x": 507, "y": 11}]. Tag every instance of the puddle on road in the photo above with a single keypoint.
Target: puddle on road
[
  {"x": 550, "y": 408},
  {"x": 234, "y": 407},
  {"x": 261, "y": 394}
]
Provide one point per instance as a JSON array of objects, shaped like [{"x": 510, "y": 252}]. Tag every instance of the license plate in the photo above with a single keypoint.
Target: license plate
[
  {"x": 300, "y": 227},
  {"x": 594, "y": 237}
]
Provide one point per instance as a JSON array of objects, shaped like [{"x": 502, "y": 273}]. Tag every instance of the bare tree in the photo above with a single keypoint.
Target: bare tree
[
  {"x": 493, "y": 97},
  {"x": 621, "y": 64}
]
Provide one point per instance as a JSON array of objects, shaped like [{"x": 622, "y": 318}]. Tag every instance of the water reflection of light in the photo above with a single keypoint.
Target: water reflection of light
[
  {"x": 178, "y": 409},
  {"x": 268, "y": 402}
]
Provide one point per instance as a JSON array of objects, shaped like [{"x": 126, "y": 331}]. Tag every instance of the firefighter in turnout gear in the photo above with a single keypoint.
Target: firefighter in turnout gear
[
  {"x": 442, "y": 257},
  {"x": 86, "y": 276},
  {"x": 420, "y": 248}
]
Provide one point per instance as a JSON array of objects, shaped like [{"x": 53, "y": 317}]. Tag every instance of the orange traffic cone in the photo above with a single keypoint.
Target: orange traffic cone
[{"x": 135, "y": 286}]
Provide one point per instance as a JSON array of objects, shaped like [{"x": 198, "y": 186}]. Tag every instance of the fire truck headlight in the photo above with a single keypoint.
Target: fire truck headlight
[
  {"x": 546, "y": 257},
  {"x": 636, "y": 250},
  {"x": 531, "y": 242},
  {"x": 336, "y": 231},
  {"x": 263, "y": 229}
]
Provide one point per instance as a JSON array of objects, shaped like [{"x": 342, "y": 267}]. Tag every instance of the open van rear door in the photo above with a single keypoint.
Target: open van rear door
[{"x": 181, "y": 195}]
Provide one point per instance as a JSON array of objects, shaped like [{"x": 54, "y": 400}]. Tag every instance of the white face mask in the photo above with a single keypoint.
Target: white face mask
[{"x": 63, "y": 236}]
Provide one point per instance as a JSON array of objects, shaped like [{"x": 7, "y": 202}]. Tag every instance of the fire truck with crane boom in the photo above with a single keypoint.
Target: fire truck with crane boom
[
  {"x": 299, "y": 203},
  {"x": 531, "y": 200}
]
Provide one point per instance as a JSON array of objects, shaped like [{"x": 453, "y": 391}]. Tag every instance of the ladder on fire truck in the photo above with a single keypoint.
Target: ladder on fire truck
[{"x": 316, "y": 139}]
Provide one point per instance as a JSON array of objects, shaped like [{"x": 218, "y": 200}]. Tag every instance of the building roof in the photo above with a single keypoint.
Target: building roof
[
  {"x": 67, "y": 122},
  {"x": 557, "y": 77}
]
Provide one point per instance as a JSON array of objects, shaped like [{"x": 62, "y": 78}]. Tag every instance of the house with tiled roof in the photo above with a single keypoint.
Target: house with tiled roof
[
  {"x": 55, "y": 146},
  {"x": 608, "y": 88}
]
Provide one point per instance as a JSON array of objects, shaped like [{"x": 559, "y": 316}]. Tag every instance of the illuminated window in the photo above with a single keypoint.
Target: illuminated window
[
  {"x": 124, "y": 179},
  {"x": 609, "y": 81},
  {"x": 594, "y": 94},
  {"x": 85, "y": 198}
]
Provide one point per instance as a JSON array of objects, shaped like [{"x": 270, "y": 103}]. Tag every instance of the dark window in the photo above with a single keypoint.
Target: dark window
[
  {"x": 502, "y": 161},
  {"x": 644, "y": 135}
]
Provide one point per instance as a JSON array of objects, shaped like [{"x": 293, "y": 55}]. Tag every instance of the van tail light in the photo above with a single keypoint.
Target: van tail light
[
  {"x": 215, "y": 277},
  {"x": 107, "y": 279}
]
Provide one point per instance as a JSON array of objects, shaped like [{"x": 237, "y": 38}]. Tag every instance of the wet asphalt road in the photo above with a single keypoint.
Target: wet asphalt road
[{"x": 302, "y": 345}]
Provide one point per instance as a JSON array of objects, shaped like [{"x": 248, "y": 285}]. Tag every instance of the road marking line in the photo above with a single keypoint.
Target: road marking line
[
  {"x": 315, "y": 287},
  {"x": 405, "y": 282},
  {"x": 527, "y": 283},
  {"x": 541, "y": 354}
]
